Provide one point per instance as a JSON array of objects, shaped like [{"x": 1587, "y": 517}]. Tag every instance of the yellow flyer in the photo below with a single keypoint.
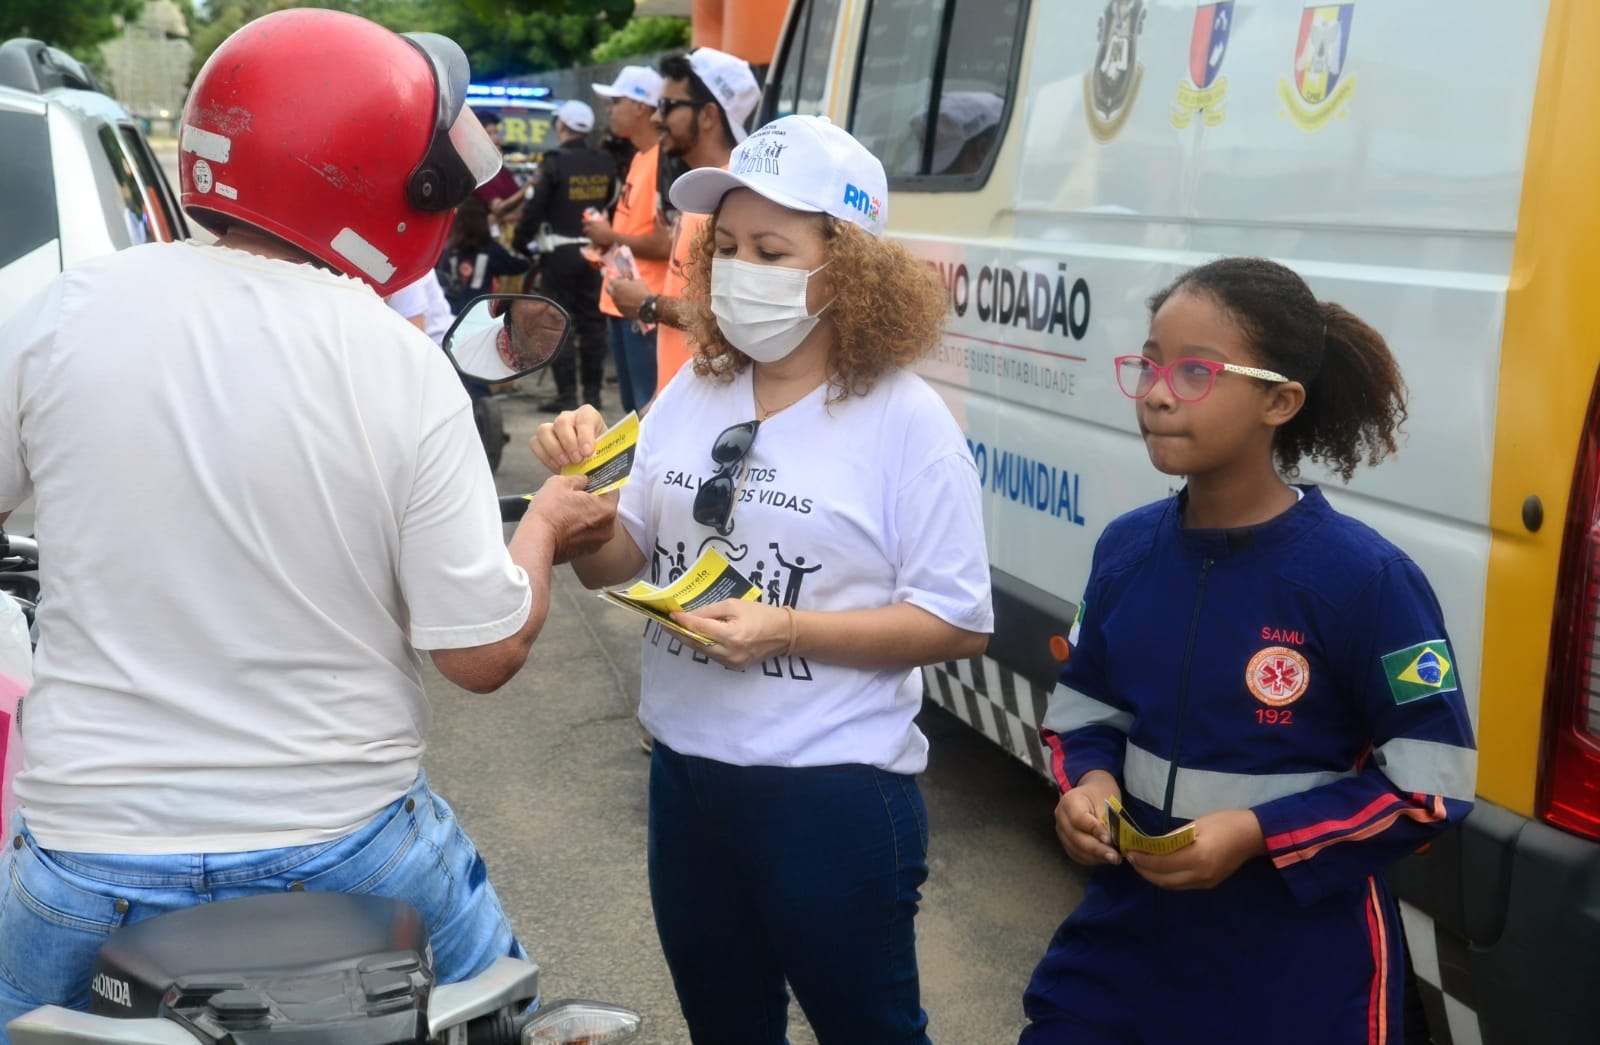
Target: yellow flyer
[
  {"x": 608, "y": 467},
  {"x": 1127, "y": 837},
  {"x": 709, "y": 580}
]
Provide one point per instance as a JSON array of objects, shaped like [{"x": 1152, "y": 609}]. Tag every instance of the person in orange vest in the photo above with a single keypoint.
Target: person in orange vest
[
  {"x": 636, "y": 226},
  {"x": 706, "y": 98}
]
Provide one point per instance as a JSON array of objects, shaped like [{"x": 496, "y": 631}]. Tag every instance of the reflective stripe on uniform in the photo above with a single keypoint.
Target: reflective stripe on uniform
[
  {"x": 1068, "y": 710},
  {"x": 1426, "y": 767},
  {"x": 1202, "y": 791}
]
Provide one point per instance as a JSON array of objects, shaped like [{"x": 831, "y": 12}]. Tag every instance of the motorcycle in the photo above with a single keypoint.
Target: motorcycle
[{"x": 310, "y": 968}]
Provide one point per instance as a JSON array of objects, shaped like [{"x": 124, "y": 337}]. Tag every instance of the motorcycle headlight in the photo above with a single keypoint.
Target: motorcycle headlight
[{"x": 581, "y": 1023}]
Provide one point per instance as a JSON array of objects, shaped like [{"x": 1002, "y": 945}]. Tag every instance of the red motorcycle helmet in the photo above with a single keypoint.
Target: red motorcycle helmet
[{"x": 337, "y": 135}]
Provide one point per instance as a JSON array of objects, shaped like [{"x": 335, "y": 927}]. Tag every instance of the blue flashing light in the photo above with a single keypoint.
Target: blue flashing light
[{"x": 480, "y": 90}]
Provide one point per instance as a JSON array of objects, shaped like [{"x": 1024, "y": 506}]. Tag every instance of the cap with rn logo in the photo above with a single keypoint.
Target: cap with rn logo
[{"x": 801, "y": 162}]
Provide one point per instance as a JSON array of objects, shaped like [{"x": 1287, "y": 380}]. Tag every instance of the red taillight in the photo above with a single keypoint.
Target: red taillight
[{"x": 1569, "y": 771}]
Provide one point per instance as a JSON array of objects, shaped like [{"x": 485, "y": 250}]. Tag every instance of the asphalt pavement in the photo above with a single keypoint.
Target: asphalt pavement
[{"x": 549, "y": 778}]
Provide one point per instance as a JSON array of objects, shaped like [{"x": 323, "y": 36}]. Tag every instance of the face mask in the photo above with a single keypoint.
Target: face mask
[{"x": 761, "y": 309}]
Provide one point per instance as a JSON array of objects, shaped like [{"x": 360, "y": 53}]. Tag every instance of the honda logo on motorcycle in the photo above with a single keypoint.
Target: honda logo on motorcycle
[{"x": 112, "y": 990}]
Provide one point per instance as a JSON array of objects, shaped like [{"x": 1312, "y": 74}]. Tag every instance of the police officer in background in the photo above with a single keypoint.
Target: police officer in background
[{"x": 572, "y": 179}]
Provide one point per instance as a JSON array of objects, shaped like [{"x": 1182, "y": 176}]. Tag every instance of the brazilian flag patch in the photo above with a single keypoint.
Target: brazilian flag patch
[{"x": 1420, "y": 671}]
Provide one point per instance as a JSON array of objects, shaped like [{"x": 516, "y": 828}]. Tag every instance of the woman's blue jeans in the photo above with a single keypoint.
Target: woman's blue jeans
[
  {"x": 57, "y": 908},
  {"x": 762, "y": 875}
]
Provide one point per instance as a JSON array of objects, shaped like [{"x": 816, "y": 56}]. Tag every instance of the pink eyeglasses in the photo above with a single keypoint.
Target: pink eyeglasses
[{"x": 1189, "y": 379}]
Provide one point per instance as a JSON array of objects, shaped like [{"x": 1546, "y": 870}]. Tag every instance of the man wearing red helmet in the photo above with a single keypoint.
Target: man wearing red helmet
[{"x": 256, "y": 501}]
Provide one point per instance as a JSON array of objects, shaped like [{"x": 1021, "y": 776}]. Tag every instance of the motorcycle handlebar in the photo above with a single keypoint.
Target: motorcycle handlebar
[
  {"x": 514, "y": 507},
  {"x": 18, "y": 547}
]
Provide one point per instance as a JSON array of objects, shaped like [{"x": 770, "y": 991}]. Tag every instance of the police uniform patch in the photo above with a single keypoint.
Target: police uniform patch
[
  {"x": 1419, "y": 671},
  {"x": 1277, "y": 676}
]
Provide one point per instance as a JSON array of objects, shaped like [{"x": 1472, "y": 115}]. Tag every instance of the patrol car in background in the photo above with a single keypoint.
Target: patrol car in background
[{"x": 1430, "y": 167}]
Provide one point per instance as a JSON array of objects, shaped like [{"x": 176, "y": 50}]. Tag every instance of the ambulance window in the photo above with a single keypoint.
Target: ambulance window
[
  {"x": 953, "y": 59},
  {"x": 804, "y": 79}
]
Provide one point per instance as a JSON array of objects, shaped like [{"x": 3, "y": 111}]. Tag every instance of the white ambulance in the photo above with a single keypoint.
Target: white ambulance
[{"x": 1435, "y": 168}]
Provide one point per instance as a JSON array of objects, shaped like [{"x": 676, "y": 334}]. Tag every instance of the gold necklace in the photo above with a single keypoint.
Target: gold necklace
[{"x": 762, "y": 413}]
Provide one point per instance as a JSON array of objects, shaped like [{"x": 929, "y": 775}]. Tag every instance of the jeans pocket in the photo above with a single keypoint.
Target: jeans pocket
[
  {"x": 51, "y": 927},
  {"x": 401, "y": 861}
]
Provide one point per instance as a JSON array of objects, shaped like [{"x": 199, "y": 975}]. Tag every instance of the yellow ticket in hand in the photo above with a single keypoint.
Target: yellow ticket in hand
[
  {"x": 608, "y": 467},
  {"x": 1128, "y": 838}
]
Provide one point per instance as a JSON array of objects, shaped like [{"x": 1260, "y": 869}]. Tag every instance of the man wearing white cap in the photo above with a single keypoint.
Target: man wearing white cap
[
  {"x": 572, "y": 179},
  {"x": 637, "y": 226},
  {"x": 707, "y": 97}
]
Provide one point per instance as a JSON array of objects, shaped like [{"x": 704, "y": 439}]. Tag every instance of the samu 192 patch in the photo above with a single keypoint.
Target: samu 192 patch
[{"x": 1420, "y": 671}]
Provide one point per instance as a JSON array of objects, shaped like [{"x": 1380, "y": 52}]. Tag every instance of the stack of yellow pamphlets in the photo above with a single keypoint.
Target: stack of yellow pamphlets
[
  {"x": 608, "y": 467},
  {"x": 1127, "y": 838},
  {"x": 709, "y": 580}
]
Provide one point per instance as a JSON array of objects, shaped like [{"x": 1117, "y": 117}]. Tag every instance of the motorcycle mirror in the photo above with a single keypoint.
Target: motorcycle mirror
[{"x": 501, "y": 337}]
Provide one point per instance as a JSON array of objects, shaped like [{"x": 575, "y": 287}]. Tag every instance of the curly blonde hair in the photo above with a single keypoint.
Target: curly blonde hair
[{"x": 888, "y": 310}]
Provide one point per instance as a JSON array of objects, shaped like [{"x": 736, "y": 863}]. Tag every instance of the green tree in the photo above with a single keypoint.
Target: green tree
[
  {"x": 501, "y": 37},
  {"x": 643, "y": 36},
  {"x": 76, "y": 26},
  {"x": 515, "y": 37}
]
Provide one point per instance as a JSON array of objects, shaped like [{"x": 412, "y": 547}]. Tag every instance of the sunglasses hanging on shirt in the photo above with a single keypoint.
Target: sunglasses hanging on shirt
[{"x": 714, "y": 501}]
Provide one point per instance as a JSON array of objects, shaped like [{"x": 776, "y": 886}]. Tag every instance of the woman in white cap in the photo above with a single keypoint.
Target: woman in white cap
[{"x": 787, "y": 834}]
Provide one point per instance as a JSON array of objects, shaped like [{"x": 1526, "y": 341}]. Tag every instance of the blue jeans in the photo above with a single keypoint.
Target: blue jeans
[
  {"x": 57, "y": 908},
  {"x": 635, "y": 356},
  {"x": 761, "y": 875}
]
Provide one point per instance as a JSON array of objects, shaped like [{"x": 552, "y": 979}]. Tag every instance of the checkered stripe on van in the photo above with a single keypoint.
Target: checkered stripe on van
[
  {"x": 996, "y": 701},
  {"x": 1440, "y": 962}
]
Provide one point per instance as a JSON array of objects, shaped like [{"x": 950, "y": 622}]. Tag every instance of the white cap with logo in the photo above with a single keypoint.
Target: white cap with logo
[
  {"x": 637, "y": 83},
  {"x": 576, "y": 115},
  {"x": 800, "y": 162},
  {"x": 731, "y": 83}
]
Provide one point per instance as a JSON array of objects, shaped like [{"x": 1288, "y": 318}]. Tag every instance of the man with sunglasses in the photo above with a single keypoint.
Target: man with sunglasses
[
  {"x": 573, "y": 179},
  {"x": 706, "y": 98}
]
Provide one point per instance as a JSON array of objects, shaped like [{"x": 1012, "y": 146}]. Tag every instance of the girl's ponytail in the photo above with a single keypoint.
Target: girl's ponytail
[{"x": 1355, "y": 404}]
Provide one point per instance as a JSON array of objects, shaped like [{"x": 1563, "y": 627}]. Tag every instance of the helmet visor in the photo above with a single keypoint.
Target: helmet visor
[
  {"x": 461, "y": 155},
  {"x": 472, "y": 143}
]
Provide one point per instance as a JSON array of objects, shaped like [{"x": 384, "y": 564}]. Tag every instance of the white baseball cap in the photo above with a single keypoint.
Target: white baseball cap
[
  {"x": 576, "y": 115},
  {"x": 800, "y": 162},
  {"x": 637, "y": 83},
  {"x": 731, "y": 83}
]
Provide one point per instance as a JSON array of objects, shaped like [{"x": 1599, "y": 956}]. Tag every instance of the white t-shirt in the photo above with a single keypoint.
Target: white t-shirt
[
  {"x": 258, "y": 488},
  {"x": 425, "y": 298},
  {"x": 859, "y": 504}
]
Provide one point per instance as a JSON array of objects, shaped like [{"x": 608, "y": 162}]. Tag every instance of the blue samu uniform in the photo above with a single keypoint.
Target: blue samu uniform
[{"x": 1300, "y": 669}]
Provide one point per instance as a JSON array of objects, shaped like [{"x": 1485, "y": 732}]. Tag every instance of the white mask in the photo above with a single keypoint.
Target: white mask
[{"x": 761, "y": 309}]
